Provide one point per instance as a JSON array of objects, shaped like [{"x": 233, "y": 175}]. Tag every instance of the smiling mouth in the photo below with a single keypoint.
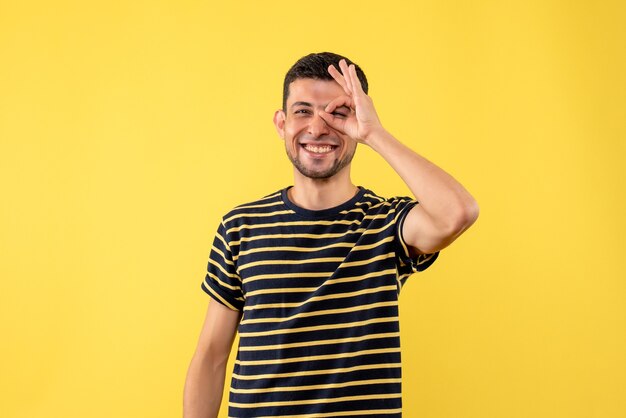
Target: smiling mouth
[{"x": 319, "y": 149}]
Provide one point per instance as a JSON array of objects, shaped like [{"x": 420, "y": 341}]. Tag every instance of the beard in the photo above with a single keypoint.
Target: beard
[{"x": 312, "y": 173}]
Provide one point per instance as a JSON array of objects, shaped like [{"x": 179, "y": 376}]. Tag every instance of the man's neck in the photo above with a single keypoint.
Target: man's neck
[{"x": 320, "y": 194}]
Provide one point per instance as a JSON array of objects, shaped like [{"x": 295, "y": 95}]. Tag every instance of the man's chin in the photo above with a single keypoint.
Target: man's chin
[
  {"x": 316, "y": 175},
  {"x": 319, "y": 174}
]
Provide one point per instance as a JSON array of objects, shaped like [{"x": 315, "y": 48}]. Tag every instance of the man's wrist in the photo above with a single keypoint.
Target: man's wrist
[{"x": 377, "y": 139}]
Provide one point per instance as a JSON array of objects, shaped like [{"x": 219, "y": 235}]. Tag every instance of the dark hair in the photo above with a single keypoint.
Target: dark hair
[{"x": 316, "y": 66}]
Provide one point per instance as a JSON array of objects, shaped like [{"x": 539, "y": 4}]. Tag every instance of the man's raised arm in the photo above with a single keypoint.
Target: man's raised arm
[{"x": 445, "y": 208}]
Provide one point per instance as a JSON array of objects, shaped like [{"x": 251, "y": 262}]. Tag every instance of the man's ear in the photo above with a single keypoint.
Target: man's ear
[{"x": 279, "y": 122}]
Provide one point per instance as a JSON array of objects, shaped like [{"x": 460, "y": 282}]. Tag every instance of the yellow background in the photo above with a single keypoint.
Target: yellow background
[{"x": 128, "y": 128}]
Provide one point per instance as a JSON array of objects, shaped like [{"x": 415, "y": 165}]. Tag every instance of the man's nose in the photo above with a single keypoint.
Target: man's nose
[{"x": 318, "y": 126}]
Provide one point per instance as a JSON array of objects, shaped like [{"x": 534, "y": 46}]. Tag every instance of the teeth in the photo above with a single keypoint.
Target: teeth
[{"x": 318, "y": 150}]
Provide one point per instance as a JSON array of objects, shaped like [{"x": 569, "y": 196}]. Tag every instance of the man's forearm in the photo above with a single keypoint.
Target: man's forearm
[
  {"x": 443, "y": 198},
  {"x": 203, "y": 388}
]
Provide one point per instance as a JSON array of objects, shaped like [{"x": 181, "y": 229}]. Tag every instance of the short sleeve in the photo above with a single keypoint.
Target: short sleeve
[
  {"x": 406, "y": 264},
  {"x": 222, "y": 282}
]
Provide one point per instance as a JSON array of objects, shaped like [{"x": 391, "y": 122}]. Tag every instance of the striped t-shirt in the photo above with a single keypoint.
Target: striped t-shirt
[{"x": 319, "y": 334}]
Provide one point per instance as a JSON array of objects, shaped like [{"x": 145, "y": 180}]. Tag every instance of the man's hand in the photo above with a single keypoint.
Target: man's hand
[{"x": 362, "y": 122}]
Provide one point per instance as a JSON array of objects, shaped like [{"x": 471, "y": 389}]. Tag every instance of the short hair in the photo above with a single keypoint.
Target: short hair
[{"x": 315, "y": 66}]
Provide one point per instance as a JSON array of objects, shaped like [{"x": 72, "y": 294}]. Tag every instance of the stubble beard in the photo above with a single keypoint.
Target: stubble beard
[{"x": 337, "y": 166}]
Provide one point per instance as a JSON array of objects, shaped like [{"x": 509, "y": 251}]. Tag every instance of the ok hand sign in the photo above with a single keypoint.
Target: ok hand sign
[{"x": 362, "y": 122}]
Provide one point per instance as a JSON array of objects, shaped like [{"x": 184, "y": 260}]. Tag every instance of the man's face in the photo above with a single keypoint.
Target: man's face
[{"x": 314, "y": 148}]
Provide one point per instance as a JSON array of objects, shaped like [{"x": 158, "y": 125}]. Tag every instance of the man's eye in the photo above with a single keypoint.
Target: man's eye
[
  {"x": 339, "y": 114},
  {"x": 301, "y": 111}
]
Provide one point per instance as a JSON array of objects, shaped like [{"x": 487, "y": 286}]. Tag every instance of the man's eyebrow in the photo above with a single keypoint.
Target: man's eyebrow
[
  {"x": 302, "y": 104},
  {"x": 307, "y": 104}
]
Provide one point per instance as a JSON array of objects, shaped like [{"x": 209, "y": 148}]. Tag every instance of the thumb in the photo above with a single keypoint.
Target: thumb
[{"x": 332, "y": 121}]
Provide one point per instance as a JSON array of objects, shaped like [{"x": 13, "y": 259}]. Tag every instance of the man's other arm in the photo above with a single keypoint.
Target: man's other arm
[{"x": 205, "y": 378}]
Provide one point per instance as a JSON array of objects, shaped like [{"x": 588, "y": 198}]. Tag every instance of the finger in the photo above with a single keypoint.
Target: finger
[
  {"x": 357, "y": 87},
  {"x": 334, "y": 72},
  {"x": 350, "y": 78},
  {"x": 337, "y": 124},
  {"x": 346, "y": 74},
  {"x": 339, "y": 102}
]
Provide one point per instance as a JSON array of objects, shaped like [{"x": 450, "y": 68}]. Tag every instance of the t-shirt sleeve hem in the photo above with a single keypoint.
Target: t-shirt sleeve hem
[
  {"x": 220, "y": 296},
  {"x": 423, "y": 261},
  {"x": 420, "y": 262}
]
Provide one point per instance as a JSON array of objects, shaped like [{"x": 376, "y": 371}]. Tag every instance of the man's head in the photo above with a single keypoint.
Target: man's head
[
  {"x": 315, "y": 149},
  {"x": 315, "y": 66}
]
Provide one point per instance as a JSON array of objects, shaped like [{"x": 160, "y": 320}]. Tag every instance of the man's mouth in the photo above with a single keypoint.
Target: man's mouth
[{"x": 319, "y": 149}]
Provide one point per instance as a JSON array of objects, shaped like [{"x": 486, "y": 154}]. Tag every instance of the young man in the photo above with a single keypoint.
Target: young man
[{"x": 310, "y": 274}]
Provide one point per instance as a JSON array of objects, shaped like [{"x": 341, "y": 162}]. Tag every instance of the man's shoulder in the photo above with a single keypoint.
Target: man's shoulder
[
  {"x": 378, "y": 204},
  {"x": 266, "y": 204}
]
